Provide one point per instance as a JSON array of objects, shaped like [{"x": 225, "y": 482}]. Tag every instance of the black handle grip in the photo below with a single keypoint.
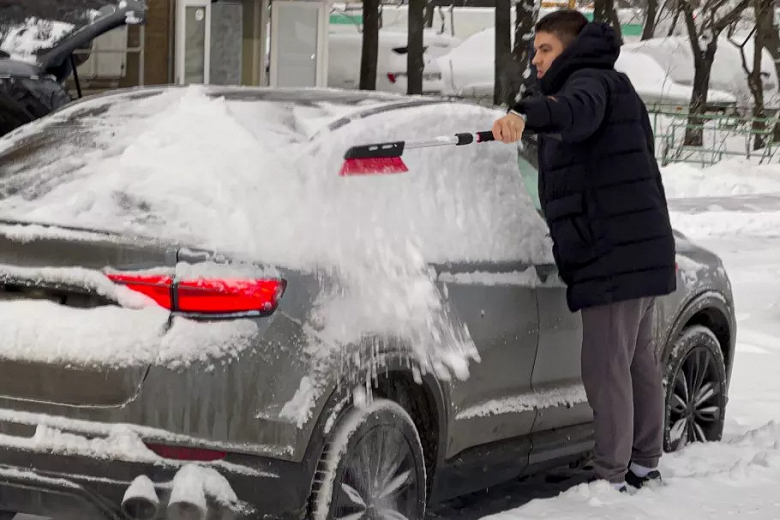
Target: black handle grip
[
  {"x": 468, "y": 138},
  {"x": 484, "y": 137}
]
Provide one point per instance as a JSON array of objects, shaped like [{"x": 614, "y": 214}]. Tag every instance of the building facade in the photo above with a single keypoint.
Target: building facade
[{"x": 183, "y": 41}]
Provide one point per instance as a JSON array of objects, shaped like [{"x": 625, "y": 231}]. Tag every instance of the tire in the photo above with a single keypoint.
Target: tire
[
  {"x": 23, "y": 100},
  {"x": 380, "y": 439},
  {"x": 695, "y": 387}
]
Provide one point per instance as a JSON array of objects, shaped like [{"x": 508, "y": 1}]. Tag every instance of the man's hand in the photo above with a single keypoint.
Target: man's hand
[{"x": 509, "y": 129}]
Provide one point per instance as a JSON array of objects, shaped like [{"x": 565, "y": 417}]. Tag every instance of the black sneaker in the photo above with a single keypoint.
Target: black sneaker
[{"x": 652, "y": 479}]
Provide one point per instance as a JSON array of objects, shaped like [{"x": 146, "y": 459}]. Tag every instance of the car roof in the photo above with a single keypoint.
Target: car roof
[{"x": 374, "y": 102}]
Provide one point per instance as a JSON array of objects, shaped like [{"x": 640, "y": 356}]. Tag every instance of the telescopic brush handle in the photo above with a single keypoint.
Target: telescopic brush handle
[{"x": 469, "y": 138}]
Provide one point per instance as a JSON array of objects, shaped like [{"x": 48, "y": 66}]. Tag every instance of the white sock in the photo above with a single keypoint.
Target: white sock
[
  {"x": 640, "y": 471},
  {"x": 618, "y": 486}
]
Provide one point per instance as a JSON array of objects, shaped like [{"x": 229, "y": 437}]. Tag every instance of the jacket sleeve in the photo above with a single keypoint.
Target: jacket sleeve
[
  {"x": 648, "y": 128},
  {"x": 575, "y": 113}
]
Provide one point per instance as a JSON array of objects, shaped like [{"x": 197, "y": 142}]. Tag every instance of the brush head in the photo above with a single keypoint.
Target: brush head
[{"x": 372, "y": 166}]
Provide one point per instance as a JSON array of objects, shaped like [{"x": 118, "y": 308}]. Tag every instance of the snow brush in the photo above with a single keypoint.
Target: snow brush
[{"x": 385, "y": 158}]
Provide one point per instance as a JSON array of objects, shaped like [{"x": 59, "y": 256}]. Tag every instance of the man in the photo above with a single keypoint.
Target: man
[{"x": 601, "y": 193}]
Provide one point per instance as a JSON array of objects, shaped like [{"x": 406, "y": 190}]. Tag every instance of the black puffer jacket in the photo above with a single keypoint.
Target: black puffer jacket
[{"x": 599, "y": 183}]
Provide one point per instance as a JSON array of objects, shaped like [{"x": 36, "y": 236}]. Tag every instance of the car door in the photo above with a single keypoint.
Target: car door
[
  {"x": 556, "y": 377},
  {"x": 498, "y": 305},
  {"x": 73, "y": 339}
]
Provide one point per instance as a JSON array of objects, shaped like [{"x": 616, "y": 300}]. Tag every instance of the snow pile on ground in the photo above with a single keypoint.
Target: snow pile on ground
[
  {"x": 738, "y": 176},
  {"x": 723, "y": 223},
  {"x": 704, "y": 482},
  {"x": 244, "y": 179},
  {"x": 24, "y": 40},
  {"x": 722, "y": 190}
]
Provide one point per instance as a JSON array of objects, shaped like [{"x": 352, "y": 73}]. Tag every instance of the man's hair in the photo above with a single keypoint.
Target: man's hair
[{"x": 565, "y": 24}]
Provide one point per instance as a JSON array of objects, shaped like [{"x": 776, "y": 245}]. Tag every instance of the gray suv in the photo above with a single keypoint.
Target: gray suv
[{"x": 214, "y": 401}]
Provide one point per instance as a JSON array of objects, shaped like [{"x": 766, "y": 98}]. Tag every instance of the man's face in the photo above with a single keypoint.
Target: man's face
[{"x": 547, "y": 47}]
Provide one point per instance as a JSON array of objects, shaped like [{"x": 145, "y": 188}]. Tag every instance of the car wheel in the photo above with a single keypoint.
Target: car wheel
[
  {"x": 372, "y": 467},
  {"x": 695, "y": 383}
]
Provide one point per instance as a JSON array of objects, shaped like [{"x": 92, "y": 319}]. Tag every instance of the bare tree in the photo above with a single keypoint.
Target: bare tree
[
  {"x": 504, "y": 62},
  {"x": 370, "y": 45},
  {"x": 430, "y": 10},
  {"x": 770, "y": 40},
  {"x": 651, "y": 19},
  {"x": 604, "y": 11},
  {"x": 414, "y": 47},
  {"x": 526, "y": 13},
  {"x": 753, "y": 73},
  {"x": 704, "y": 30}
]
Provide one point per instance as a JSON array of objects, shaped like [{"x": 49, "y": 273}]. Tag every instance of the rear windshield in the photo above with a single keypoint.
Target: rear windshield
[{"x": 76, "y": 140}]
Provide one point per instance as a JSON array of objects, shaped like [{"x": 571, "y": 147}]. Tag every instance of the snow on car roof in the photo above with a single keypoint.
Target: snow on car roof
[{"x": 255, "y": 172}]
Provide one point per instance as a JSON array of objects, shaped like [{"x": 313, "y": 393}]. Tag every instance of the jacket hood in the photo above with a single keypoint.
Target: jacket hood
[{"x": 596, "y": 47}]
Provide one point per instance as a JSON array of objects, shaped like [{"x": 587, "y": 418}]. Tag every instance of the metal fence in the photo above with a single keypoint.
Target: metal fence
[{"x": 725, "y": 134}]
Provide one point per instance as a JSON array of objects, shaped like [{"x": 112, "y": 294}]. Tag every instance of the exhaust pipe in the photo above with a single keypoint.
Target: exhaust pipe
[
  {"x": 140, "y": 501},
  {"x": 188, "y": 498}
]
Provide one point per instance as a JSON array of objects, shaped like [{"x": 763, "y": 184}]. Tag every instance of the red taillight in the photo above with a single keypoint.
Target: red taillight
[
  {"x": 183, "y": 453},
  {"x": 391, "y": 77},
  {"x": 206, "y": 296},
  {"x": 221, "y": 296},
  {"x": 156, "y": 287}
]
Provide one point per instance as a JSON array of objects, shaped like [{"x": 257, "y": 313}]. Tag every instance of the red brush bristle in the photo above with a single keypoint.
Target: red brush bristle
[{"x": 373, "y": 166}]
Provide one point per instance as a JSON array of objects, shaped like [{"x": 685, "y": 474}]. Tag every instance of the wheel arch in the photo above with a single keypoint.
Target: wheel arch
[
  {"x": 710, "y": 309},
  {"x": 421, "y": 395}
]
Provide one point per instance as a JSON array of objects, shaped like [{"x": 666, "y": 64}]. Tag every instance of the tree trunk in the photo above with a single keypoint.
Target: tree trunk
[
  {"x": 648, "y": 31},
  {"x": 675, "y": 19},
  {"x": 763, "y": 10},
  {"x": 604, "y": 11},
  {"x": 414, "y": 47},
  {"x": 770, "y": 40},
  {"x": 370, "y": 49},
  {"x": 526, "y": 12},
  {"x": 694, "y": 133},
  {"x": 430, "y": 10},
  {"x": 503, "y": 52}
]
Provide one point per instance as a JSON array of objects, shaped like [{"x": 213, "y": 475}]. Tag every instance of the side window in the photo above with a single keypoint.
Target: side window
[{"x": 530, "y": 179}]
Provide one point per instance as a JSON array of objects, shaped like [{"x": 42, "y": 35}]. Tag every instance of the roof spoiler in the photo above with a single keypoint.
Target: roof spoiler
[{"x": 128, "y": 12}]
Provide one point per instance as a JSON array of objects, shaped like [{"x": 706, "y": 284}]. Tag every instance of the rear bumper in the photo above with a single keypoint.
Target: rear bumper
[{"x": 70, "y": 487}]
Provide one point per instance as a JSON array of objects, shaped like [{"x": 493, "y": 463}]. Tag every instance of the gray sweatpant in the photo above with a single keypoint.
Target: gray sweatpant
[{"x": 621, "y": 373}]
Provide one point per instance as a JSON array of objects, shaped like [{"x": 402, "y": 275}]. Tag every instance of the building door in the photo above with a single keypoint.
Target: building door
[
  {"x": 193, "y": 41},
  {"x": 299, "y": 43}
]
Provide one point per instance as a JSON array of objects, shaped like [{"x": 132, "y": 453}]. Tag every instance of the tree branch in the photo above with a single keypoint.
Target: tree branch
[
  {"x": 693, "y": 33},
  {"x": 731, "y": 17}
]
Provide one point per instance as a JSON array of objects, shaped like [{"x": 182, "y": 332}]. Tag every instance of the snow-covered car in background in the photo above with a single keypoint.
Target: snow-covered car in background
[
  {"x": 30, "y": 89},
  {"x": 658, "y": 90},
  {"x": 468, "y": 72},
  {"x": 191, "y": 292},
  {"x": 344, "y": 60},
  {"x": 673, "y": 55}
]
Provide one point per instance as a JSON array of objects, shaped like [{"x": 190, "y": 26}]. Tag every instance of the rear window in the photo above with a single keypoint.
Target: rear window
[{"x": 79, "y": 139}]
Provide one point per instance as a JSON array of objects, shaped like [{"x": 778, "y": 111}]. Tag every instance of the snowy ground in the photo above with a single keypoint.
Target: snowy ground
[{"x": 733, "y": 209}]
